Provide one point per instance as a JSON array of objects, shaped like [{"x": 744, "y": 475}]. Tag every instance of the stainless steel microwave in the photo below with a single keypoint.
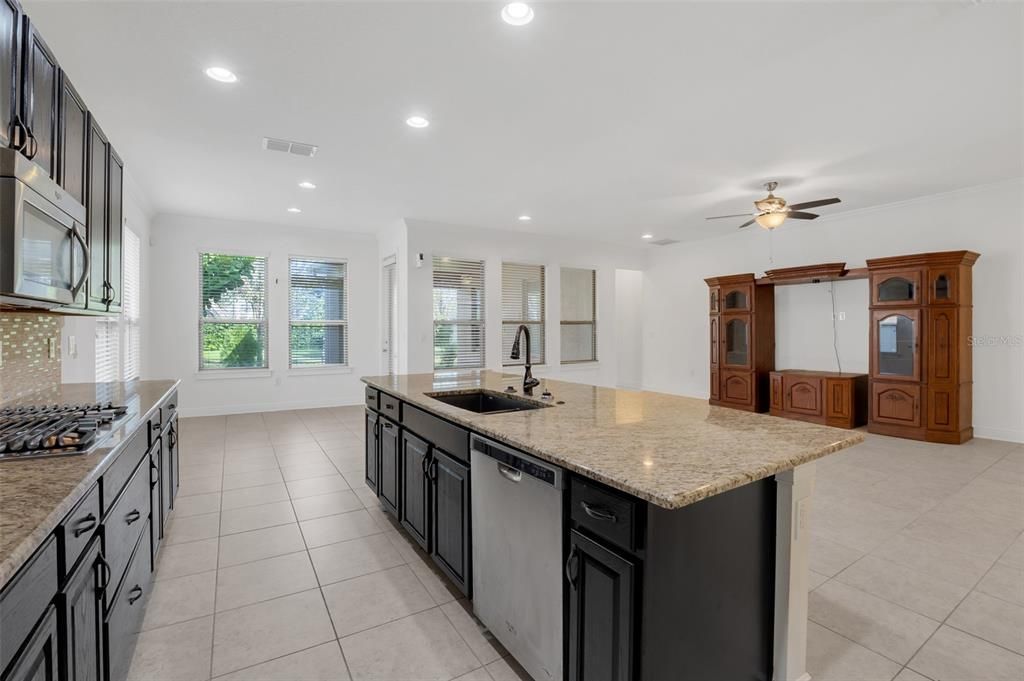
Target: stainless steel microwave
[{"x": 44, "y": 257}]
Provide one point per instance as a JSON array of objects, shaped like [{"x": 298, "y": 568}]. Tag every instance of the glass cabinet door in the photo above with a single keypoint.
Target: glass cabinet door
[
  {"x": 737, "y": 299},
  {"x": 896, "y": 345},
  {"x": 942, "y": 287},
  {"x": 737, "y": 342},
  {"x": 896, "y": 288}
]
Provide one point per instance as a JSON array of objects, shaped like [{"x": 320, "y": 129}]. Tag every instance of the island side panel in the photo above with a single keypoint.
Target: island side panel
[
  {"x": 708, "y": 588},
  {"x": 793, "y": 508}
]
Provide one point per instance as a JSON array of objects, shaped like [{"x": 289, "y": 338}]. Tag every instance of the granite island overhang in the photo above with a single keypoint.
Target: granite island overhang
[{"x": 718, "y": 557}]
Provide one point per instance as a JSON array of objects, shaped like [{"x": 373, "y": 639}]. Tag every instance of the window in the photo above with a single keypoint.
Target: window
[
  {"x": 522, "y": 302},
  {"x": 132, "y": 309},
  {"x": 318, "y": 313},
  {"x": 579, "y": 315},
  {"x": 232, "y": 311},
  {"x": 108, "y": 332},
  {"x": 458, "y": 313}
]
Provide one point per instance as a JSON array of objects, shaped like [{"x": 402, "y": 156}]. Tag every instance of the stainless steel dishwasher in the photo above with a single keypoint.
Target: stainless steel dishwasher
[{"x": 517, "y": 553}]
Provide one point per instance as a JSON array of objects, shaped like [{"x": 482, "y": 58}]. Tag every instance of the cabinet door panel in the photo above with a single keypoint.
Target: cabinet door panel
[
  {"x": 10, "y": 69},
  {"x": 96, "y": 214},
  {"x": 942, "y": 407},
  {"x": 372, "y": 452},
  {"x": 601, "y": 612},
  {"x": 735, "y": 343},
  {"x": 737, "y": 387},
  {"x": 74, "y": 125},
  {"x": 896, "y": 344},
  {"x": 39, "y": 660},
  {"x": 943, "y": 287},
  {"x": 414, "y": 510},
  {"x": 115, "y": 230},
  {"x": 942, "y": 340},
  {"x": 737, "y": 298},
  {"x": 896, "y": 288},
  {"x": 803, "y": 395},
  {"x": 896, "y": 403},
  {"x": 451, "y": 518},
  {"x": 41, "y": 78},
  {"x": 716, "y": 393},
  {"x": 387, "y": 490},
  {"x": 777, "y": 403},
  {"x": 838, "y": 399},
  {"x": 715, "y": 340},
  {"x": 82, "y": 601}
]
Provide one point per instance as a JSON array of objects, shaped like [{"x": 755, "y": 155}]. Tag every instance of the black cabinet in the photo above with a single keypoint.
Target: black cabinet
[
  {"x": 169, "y": 466},
  {"x": 114, "y": 252},
  {"x": 96, "y": 214},
  {"x": 601, "y": 612},
  {"x": 414, "y": 509},
  {"x": 451, "y": 526},
  {"x": 372, "y": 450},
  {"x": 11, "y": 131},
  {"x": 40, "y": 99},
  {"x": 125, "y": 613},
  {"x": 39, "y": 659},
  {"x": 82, "y": 621},
  {"x": 74, "y": 126},
  {"x": 387, "y": 489},
  {"x": 157, "y": 518}
]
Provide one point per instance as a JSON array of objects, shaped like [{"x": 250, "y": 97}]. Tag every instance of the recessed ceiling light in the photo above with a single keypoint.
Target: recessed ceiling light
[
  {"x": 517, "y": 13},
  {"x": 294, "y": 210},
  {"x": 647, "y": 236},
  {"x": 221, "y": 74},
  {"x": 306, "y": 184},
  {"x": 417, "y": 122},
  {"x": 524, "y": 218}
]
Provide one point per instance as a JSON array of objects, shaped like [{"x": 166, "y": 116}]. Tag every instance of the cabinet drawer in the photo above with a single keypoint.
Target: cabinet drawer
[
  {"x": 77, "y": 529},
  {"x": 609, "y": 514},
  {"x": 125, "y": 613},
  {"x": 25, "y": 598},
  {"x": 438, "y": 432},
  {"x": 169, "y": 409},
  {"x": 119, "y": 472},
  {"x": 123, "y": 525},
  {"x": 391, "y": 407},
  {"x": 372, "y": 398}
]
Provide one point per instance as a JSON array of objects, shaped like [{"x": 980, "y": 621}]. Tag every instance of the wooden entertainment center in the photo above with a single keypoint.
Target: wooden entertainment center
[{"x": 920, "y": 371}]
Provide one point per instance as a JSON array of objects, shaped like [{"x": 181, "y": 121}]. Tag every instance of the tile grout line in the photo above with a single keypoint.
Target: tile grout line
[{"x": 216, "y": 579}]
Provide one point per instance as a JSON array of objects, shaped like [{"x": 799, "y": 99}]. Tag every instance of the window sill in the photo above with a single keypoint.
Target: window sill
[
  {"x": 580, "y": 366},
  {"x": 319, "y": 370},
  {"x": 214, "y": 374}
]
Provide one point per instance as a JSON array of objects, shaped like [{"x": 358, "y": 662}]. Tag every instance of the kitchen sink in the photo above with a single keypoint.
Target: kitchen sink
[{"x": 485, "y": 401}]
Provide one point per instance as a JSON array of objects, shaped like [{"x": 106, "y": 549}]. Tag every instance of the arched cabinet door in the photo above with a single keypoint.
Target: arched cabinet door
[
  {"x": 943, "y": 287},
  {"x": 897, "y": 404},
  {"x": 735, "y": 342},
  {"x": 737, "y": 298},
  {"x": 896, "y": 344},
  {"x": 896, "y": 288}
]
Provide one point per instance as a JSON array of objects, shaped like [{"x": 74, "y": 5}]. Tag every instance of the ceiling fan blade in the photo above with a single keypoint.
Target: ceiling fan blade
[
  {"x": 800, "y": 215},
  {"x": 746, "y": 224},
  {"x": 737, "y": 215},
  {"x": 813, "y": 204}
]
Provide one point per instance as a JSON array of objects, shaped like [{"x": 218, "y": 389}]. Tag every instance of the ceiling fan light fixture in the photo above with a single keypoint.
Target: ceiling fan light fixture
[{"x": 771, "y": 220}]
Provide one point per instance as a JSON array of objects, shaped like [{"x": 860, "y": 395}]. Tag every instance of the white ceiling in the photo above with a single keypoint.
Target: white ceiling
[{"x": 601, "y": 120}]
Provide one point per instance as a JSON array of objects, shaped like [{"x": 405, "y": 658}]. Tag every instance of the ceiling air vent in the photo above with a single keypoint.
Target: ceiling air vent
[
  {"x": 287, "y": 146},
  {"x": 664, "y": 242}
]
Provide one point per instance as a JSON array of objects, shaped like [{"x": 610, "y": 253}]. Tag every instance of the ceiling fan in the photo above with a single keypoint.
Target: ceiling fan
[{"x": 772, "y": 210}]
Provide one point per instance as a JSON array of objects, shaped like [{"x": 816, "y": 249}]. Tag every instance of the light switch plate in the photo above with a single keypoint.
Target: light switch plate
[{"x": 72, "y": 347}]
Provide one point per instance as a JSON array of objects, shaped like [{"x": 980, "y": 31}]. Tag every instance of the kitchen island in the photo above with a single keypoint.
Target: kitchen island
[{"x": 683, "y": 525}]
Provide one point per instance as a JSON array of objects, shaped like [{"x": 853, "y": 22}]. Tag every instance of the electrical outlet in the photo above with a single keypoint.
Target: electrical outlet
[
  {"x": 1, "y": 354},
  {"x": 842, "y": 316},
  {"x": 72, "y": 347},
  {"x": 51, "y": 347},
  {"x": 800, "y": 526}
]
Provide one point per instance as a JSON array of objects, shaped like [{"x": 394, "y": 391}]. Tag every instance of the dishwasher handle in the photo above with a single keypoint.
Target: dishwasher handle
[{"x": 509, "y": 473}]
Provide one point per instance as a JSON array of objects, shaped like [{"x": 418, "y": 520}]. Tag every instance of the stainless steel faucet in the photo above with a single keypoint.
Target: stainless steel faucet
[{"x": 529, "y": 382}]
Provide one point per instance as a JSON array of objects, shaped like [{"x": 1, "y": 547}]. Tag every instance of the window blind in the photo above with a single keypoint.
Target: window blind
[
  {"x": 232, "y": 311},
  {"x": 107, "y": 350},
  {"x": 318, "y": 312},
  {"x": 579, "y": 315},
  {"x": 132, "y": 310},
  {"x": 458, "y": 313},
  {"x": 522, "y": 302}
]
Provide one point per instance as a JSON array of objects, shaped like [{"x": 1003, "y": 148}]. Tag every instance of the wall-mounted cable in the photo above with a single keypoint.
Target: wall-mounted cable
[{"x": 835, "y": 325}]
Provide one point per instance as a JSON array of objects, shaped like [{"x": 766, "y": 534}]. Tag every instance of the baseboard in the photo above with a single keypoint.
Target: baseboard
[
  {"x": 1005, "y": 434},
  {"x": 227, "y": 410}
]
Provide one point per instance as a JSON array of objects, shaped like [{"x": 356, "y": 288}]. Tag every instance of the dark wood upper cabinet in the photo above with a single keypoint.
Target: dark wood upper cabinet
[
  {"x": 114, "y": 261},
  {"x": 451, "y": 526},
  {"x": 414, "y": 509},
  {"x": 10, "y": 73},
  {"x": 74, "y": 140},
  {"x": 40, "y": 99},
  {"x": 901, "y": 287},
  {"x": 96, "y": 214},
  {"x": 896, "y": 344}
]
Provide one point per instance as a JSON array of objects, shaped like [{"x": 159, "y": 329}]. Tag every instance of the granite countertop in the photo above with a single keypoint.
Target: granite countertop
[
  {"x": 35, "y": 495},
  {"x": 671, "y": 451}
]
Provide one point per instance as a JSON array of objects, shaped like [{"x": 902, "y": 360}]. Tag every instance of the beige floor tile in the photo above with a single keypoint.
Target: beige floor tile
[
  {"x": 251, "y": 479},
  {"x": 307, "y": 471},
  {"x": 246, "y": 547},
  {"x": 436, "y": 584},
  {"x": 179, "y": 599},
  {"x": 431, "y": 649},
  {"x": 264, "y": 579},
  {"x": 815, "y": 579},
  {"x": 197, "y": 504},
  {"x": 396, "y": 594},
  {"x": 1014, "y": 555},
  {"x": 256, "y": 517},
  {"x": 306, "y": 448},
  {"x": 316, "y": 486},
  {"x": 268, "y": 630},
  {"x": 908, "y": 674},
  {"x": 247, "y": 441},
  {"x": 876, "y": 624},
  {"x": 995, "y": 620},
  {"x": 192, "y": 528},
  {"x": 961, "y": 530},
  {"x": 348, "y": 461},
  {"x": 1005, "y": 582},
  {"x": 248, "y": 453},
  {"x": 251, "y": 464},
  {"x": 480, "y": 640},
  {"x": 302, "y": 458},
  {"x": 291, "y": 437},
  {"x": 828, "y": 557},
  {"x": 199, "y": 470},
  {"x": 904, "y": 586},
  {"x": 180, "y": 652},
  {"x": 335, "y": 528},
  {"x": 199, "y": 486},
  {"x": 476, "y": 675},
  {"x": 254, "y": 496},
  {"x": 940, "y": 561},
  {"x": 355, "y": 557},
  {"x": 319, "y": 663},
  {"x": 507, "y": 669},
  {"x": 344, "y": 501},
  {"x": 831, "y": 657},
  {"x": 952, "y": 655},
  {"x": 178, "y": 560}
]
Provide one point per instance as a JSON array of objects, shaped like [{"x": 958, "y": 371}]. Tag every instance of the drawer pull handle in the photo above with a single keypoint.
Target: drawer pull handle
[
  {"x": 84, "y": 525},
  {"x": 135, "y": 594},
  {"x": 598, "y": 513},
  {"x": 153, "y": 468},
  {"x": 132, "y": 516},
  {"x": 105, "y": 573},
  {"x": 570, "y": 573},
  {"x": 425, "y": 465},
  {"x": 388, "y": 405}
]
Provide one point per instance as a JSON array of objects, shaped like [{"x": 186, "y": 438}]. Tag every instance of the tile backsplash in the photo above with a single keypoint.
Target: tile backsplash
[{"x": 25, "y": 362}]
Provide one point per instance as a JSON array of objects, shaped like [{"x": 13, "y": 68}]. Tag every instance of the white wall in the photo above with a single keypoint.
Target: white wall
[
  {"x": 174, "y": 310},
  {"x": 629, "y": 292},
  {"x": 989, "y": 220},
  {"x": 494, "y": 246}
]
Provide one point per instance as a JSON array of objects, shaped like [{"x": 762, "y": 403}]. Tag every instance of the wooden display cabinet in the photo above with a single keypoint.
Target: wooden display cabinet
[{"x": 742, "y": 341}]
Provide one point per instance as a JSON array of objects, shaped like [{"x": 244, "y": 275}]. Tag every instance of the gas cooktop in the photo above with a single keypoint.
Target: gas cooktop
[{"x": 42, "y": 431}]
